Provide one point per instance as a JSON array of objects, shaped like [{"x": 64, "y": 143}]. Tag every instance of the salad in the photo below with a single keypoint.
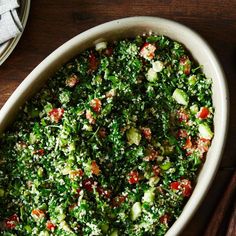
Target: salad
[{"x": 111, "y": 145}]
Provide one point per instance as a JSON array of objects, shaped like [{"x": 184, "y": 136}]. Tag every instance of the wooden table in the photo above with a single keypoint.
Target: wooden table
[{"x": 51, "y": 23}]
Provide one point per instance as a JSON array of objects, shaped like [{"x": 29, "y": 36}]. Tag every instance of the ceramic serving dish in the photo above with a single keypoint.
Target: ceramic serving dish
[{"x": 129, "y": 27}]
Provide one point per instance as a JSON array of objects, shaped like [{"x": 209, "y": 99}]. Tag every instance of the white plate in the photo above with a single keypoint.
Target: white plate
[{"x": 7, "y": 47}]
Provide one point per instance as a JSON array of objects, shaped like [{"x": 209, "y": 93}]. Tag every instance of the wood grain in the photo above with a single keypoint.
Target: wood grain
[{"x": 51, "y": 23}]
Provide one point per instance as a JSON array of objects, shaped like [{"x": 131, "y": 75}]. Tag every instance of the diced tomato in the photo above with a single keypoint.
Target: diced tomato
[
  {"x": 102, "y": 132},
  {"x": 147, "y": 133},
  {"x": 175, "y": 185},
  {"x": 39, "y": 152},
  {"x": 151, "y": 154},
  {"x": 133, "y": 177},
  {"x": 185, "y": 62},
  {"x": 203, "y": 113},
  {"x": 104, "y": 192},
  {"x": 76, "y": 173},
  {"x": 147, "y": 51},
  {"x": 203, "y": 145},
  {"x": 72, "y": 81},
  {"x": 186, "y": 187},
  {"x": 88, "y": 184},
  {"x": 38, "y": 214},
  {"x": 93, "y": 62},
  {"x": 156, "y": 170},
  {"x": 56, "y": 114},
  {"x": 108, "y": 51},
  {"x": 89, "y": 117},
  {"x": 50, "y": 226},
  {"x": 96, "y": 105},
  {"x": 95, "y": 168},
  {"x": 188, "y": 143},
  {"x": 11, "y": 222},
  {"x": 182, "y": 116},
  {"x": 111, "y": 93},
  {"x": 165, "y": 219},
  {"x": 117, "y": 201},
  {"x": 182, "y": 133}
]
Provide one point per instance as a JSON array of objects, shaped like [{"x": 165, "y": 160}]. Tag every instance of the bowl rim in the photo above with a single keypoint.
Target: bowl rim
[{"x": 21, "y": 91}]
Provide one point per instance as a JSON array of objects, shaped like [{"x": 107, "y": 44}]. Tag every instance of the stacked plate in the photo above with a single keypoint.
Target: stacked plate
[{"x": 7, "y": 47}]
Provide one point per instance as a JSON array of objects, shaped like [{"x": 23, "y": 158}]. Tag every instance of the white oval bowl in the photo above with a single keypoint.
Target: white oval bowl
[{"x": 129, "y": 27}]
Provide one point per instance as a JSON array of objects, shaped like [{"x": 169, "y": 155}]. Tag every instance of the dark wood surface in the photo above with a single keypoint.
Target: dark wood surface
[{"x": 51, "y": 23}]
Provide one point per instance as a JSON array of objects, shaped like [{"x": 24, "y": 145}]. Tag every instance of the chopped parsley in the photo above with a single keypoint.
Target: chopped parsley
[{"x": 111, "y": 145}]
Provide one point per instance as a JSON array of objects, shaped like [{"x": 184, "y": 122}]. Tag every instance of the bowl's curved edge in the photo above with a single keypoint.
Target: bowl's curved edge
[{"x": 65, "y": 52}]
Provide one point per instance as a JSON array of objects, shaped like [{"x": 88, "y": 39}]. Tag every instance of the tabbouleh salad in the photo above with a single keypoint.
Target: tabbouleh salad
[{"x": 111, "y": 145}]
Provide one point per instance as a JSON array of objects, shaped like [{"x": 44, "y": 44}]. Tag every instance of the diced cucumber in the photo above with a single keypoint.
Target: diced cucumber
[
  {"x": 166, "y": 165},
  {"x": 180, "y": 97},
  {"x": 192, "y": 80},
  {"x": 133, "y": 135},
  {"x": 149, "y": 195},
  {"x": 136, "y": 211},
  {"x": 114, "y": 233},
  {"x": 63, "y": 225},
  {"x": 194, "y": 109},
  {"x": 153, "y": 181},
  {"x": 157, "y": 66},
  {"x": 152, "y": 75},
  {"x": 1, "y": 192},
  {"x": 44, "y": 233},
  {"x": 100, "y": 46},
  {"x": 205, "y": 131},
  {"x": 28, "y": 228},
  {"x": 104, "y": 227},
  {"x": 48, "y": 107},
  {"x": 32, "y": 138},
  {"x": 40, "y": 172}
]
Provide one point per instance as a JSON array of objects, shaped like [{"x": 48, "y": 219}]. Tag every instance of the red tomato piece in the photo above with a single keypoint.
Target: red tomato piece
[
  {"x": 203, "y": 145},
  {"x": 182, "y": 116},
  {"x": 104, "y": 192},
  {"x": 38, "y": 214},
  {"x": 133, "y": 177},
  {"x": 188, "y": 143},
  {"x": 108, "y": 51},
  {"x": 164, "y": 219},
  {"x": 148, "y": 51},
  {"x": 93, "y": 62},
  {"x": 203, "y": 113},
  {"x": 95, "y": 168},
  {"x": 96, "y": 105},
  {"x": 185, "y": 62},
  {"x": 156, "y": 170},
  {"x": 182, "y": 133},
  {"x": 89, "y": 117},
  {"x": 40, "y": 152},
  {"x": 88, "y": 184},
  {"x": 151, "y": 154},
  {"x": 56, "y": 114},
  {"x": 72, "y": 81},
  {"x": 117, "y": 201},
  {"x": 175, "y": 185},
  {"x": 50, "y": 226},
  {"x": 147, "y": 133},
  {"x": 186, "y": 187},
  {"x": 11, "y": 222}
]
